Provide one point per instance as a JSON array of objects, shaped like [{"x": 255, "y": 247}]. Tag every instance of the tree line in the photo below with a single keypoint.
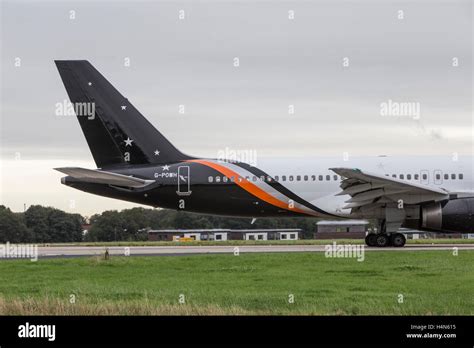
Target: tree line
[{"x": 41, "y": 224}]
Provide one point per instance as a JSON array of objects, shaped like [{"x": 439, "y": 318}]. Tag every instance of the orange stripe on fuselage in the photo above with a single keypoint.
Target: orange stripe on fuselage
[{"x": 248, "y": 186}]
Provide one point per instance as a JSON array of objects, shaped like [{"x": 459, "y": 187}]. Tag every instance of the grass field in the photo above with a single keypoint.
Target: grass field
[
  {"x": 431, "y": 282},
  {"x": 260, "y": 242}
]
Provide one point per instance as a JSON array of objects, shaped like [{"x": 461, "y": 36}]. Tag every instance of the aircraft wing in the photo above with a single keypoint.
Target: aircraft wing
[
  {"x": 103, "y": 177},
  {"x": 368, "y": 189}
]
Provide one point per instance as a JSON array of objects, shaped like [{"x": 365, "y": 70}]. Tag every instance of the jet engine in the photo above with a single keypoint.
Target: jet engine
[{"x": 452, "y": 216}]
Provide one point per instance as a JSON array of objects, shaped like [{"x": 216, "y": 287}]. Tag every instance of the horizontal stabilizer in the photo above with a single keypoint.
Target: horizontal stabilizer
[{"x": 103, "y": 177}]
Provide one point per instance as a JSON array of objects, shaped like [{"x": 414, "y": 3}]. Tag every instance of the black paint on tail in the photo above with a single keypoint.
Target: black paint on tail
[{"x": 116, "y": 132}]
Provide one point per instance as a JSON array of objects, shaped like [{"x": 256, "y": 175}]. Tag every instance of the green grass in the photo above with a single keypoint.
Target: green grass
[
  {"x": 431, "y": 282},
  {"x": 261, "y": 242}
]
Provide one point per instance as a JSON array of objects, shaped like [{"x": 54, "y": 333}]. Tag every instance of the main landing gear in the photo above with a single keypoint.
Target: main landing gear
[{"x": 385, "y": 239}]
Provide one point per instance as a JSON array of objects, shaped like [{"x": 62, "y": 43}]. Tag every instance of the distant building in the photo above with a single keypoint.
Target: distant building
[
  {"x": 85, "y": 228},
  {"x": 340, "y": 229},
  {"x": 255, "y": 236},
  {"x": 288, "y": 235},
  {"x": 267, "y": 234},
  {"x": 225, "y": 234}
]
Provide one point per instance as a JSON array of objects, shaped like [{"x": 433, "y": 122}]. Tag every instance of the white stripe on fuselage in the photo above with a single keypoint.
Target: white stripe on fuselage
[
  {"x": 264, "y": 186},
  {"x": 322, "y": 194}
]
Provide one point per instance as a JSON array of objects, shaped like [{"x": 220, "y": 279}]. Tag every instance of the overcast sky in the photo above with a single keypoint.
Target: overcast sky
[{"x": 404, "y": 52}]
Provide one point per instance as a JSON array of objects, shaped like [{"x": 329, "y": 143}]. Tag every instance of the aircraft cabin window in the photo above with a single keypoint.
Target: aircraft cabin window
[
  {"x": 313, "y": 177},
  {"x": 240, "y": 179},
  {"x": 247, "y": 178},
  {"x": 218, "y": 179},
  {"x": 425, "y": 176},
  {"x": 305, "y": 178},
  {"x": 394, "y": 175},
  {"x": 417, "y": 177},
  {"x": 408, "y": 176},
  {"x": 446, "y": 176},
  {"x": 232, "y": 179},
  {"x": 461, "y": 176},
  {"x": 277, "y": 178},
  {"x": 254, "y": 178},
  {"x": 320, "y": 178},
  {"x": 298, "y": 178},
  {"x": 290, "y": 178},
  {"x": 402, "y": 176},
  {"x": 438, "y": 176},
  {"x": 224, "y": 178},
  {"x": 335, "y": 177},
  {"x": 283, "y": 178},
  {"x": 328, "y": 177},
  {"x": 210, "y": 179},
  {"x": 453, "y": 176}
]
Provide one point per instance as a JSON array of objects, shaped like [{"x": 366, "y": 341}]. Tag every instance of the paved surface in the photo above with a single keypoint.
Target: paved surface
[{"x": 71, "y": 251}]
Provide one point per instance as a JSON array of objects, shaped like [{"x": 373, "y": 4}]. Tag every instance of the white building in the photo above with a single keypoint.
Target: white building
[
  {"x": 287, "y": 235},
  {"x": 255, "y": 236}
]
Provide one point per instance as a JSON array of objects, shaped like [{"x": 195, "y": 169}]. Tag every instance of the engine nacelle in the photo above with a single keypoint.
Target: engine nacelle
[{"x": 453, "y": 216}]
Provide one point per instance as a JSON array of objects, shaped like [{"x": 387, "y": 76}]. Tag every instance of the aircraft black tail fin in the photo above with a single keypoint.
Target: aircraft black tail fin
[{"x": 116, "y": 132}]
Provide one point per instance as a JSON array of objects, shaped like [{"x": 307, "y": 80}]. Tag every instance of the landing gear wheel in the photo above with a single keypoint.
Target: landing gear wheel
[
  {"x": 382, "y": 240},
  {"x": 398, "y": 240},
  {"x": 370, "y": 239}
]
